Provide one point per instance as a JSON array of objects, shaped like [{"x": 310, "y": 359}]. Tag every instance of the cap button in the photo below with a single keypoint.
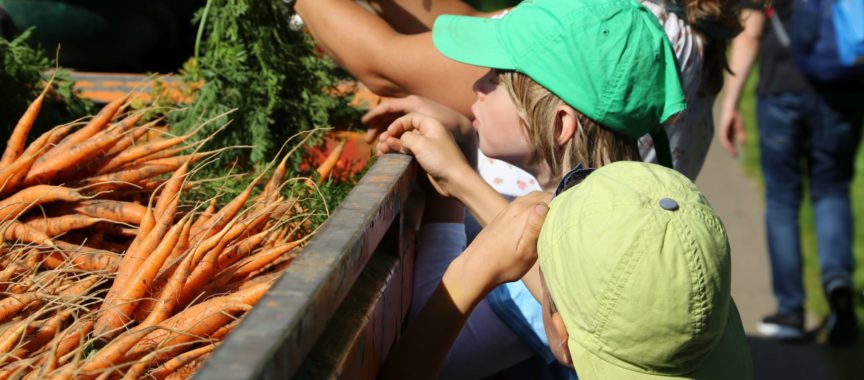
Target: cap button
[{"x": 668, "y": 204}]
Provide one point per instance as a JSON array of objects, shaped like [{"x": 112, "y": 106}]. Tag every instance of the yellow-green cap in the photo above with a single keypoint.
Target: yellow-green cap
[
  {"x": 609, "y": 59},
  {"x": 637, "y": 264}
]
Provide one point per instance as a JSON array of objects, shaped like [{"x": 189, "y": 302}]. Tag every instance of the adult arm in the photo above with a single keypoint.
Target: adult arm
[
  {"x": 417, "y": 16},
  {"x": 744, "y": 50},
  {"x": 502, "y": 252},
  {"x": 389, "y": 63}
]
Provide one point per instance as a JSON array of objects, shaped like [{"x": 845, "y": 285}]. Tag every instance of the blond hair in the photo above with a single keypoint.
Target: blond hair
[{"x": 592, "y": 145}]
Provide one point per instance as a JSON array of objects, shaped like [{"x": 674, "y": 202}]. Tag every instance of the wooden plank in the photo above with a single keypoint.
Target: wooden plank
[
  {"x": 274, "y": 339},
  {"x": 366, "y": 326}
]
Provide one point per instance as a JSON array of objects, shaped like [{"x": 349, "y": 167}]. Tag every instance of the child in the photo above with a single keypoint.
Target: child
[
  {"x": 636, "y": 279},
  {"x": 576, "y": 83}
]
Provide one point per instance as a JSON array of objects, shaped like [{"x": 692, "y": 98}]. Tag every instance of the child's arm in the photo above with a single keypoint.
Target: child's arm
[
  {"x": 502, "y": 252},
  {"x": 437, "y": 152},
  {"x": 745, "y": 47},
  {"x": 389, "y": 63}
]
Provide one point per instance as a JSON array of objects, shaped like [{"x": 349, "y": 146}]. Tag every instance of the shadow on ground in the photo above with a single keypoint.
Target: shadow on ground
[{"x": 808, "y": 359}]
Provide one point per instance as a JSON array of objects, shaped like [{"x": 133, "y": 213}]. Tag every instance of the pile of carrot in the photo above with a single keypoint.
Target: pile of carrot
[{"x": 106, "y": 272}]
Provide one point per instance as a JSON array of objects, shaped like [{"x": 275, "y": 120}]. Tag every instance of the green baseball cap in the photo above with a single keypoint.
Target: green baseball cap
[
  {"x": 637, "y": 264},
  {"x": 609, "y": 59}
]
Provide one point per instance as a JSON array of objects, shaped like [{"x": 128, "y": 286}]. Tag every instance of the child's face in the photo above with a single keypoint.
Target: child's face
[
  {"x": 501, "y": 132},
  {"x": 556, "y": 332}
]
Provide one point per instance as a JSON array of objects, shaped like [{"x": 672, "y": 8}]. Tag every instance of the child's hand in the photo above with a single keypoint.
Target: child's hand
[
  {"x": 507, "y": 248},
  {"x": 432, "y": 145},
  {"x": 384, "y": 114}
]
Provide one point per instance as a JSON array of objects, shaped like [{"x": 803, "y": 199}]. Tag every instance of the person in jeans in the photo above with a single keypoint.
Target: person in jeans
[{"x": 808, "y": 132}]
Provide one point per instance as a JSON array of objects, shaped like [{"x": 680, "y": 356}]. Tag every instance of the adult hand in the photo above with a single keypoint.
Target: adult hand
[
  {"x": 432, "y": 145},
  {"x": 507, "y": 248},
  {"x": 730, "y": 131},
  {"x": 384, "y": 114}
]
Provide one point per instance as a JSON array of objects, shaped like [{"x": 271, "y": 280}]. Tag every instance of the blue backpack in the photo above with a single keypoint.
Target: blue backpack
[{"x": 827, "y": 39}]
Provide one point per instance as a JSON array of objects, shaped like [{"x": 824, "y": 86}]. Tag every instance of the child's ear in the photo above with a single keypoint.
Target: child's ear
[
  {"x": 563, "y": 352},
  {"x": 566, "y": 124}
]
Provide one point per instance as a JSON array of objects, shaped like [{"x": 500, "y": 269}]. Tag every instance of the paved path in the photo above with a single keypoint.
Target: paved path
[{"x": 738, "y": 201}]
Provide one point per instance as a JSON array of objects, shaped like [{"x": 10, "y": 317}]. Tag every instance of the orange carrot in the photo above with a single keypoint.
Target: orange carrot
[
  {"x": 18, "y": 139},
  {"x": 114, "y": 312},
  {"x": 179, "y": 361},
  {"x": 12, "y": 304},
  {"x": 171, "y": 190},
  {"x": 240, "y": 249},
  {"x": 168, "y": 299},
  {"x": 17, "y": 231},
  {"x": 133, "y": 288},
  {"x": 62, "y": 159},
  {"x": 26, "y": 199},
  {"x": 83, "y": 258},
  {"x": 141, "y": 151},
  {"x": 259, "y": 260},
  {"x": 95, "y": 125},
  {"x": 329, "y": 163},
  {"x": 118, "y": 211},
  {"x": 113, "y": 353},
  {"x": 61, "y": 224},
  {"x": 129, "y": 139},
  {"x": 200, "y": 320}
]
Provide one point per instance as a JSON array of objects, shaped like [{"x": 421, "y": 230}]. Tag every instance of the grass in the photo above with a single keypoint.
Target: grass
[{"x": 816, "y": 302}]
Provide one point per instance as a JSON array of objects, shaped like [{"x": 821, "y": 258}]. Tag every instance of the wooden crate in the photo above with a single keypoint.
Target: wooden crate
[{"x": 338, "y": 308}]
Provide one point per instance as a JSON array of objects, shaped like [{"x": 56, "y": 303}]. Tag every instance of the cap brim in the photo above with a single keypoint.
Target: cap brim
[
  {"x": 729, "y": 360},
  {"x": 471, "y": 40}
]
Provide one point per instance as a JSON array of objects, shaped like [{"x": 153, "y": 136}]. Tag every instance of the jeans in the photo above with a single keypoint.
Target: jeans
[{"x": 804, "y": 135}]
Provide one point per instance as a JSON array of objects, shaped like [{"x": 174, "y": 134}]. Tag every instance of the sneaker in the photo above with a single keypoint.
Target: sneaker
[
  {"x": 842, "y": 323},
  {"x": 785, "y": 326}
]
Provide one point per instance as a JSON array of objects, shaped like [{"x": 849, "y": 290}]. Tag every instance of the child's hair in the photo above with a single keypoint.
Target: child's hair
[
  {"x": 592, "y": 145},
  {"x": 717, "y": 22}
]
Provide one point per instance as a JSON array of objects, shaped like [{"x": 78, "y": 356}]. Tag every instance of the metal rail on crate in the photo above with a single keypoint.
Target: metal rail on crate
[{"x": 274, "y": 340}]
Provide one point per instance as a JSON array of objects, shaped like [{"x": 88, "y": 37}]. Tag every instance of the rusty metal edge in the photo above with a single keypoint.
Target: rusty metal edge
[{"x": 274, "y": 339}]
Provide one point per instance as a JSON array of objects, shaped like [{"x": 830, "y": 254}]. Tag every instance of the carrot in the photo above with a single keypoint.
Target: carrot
[
  {"x": 142, "y": 151},
  {"x": 12, "y": 304},
  {"x": 113, "y": 353},
  {"x": 203, "y": 272},
  {"x": 171, "y": 190},
  {"x": 88, "y": 259},
  {"x": 118, "y": 211},
  {"x": 138, "y": 173},
  {"x": 115, "y": 312},
  {"x": 95, "y": 125},
  {"x": 18, "y": 139},
  {"x": 12, "y": 175},
  {"x": 42, "y": 335},
  {"x": 329, "y": 163},
  {"x": 240, "y": 250},
  {"x": 186, "y": 371},
  {"x": 227, "y": 213},
  {"x": 259, "y": 260},
  {"x": 49, "y": 166},
  {"x": 26, "y": 199},
  {"x": 137, "y": 369},
  {"x": 21, "y": 232},
  {"x": 61, "y": 224},
  {"x": 170, "y": 295},
  {"x": 200, "y": 320},
  {"x": 133, "y": 288},
  {"x": 181, "y": 360},
  {"x": 129, "y": 139}
]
